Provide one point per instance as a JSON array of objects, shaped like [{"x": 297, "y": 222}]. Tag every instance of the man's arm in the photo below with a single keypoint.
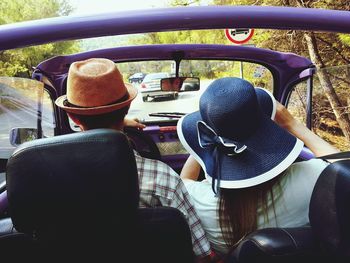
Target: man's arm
[
  {"x": 135, "y": 123},
  {"x": 182, "y": 201},
  {"x": 315, "y": 143},
  {"x": 160, "y": 185}
]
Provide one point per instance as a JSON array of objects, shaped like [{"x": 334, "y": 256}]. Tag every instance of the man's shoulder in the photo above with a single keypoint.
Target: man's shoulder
[
  {"x": 158, "y": 179},
  {"x": 152, "y": 164},
  {"x": 141, "y": 159}
]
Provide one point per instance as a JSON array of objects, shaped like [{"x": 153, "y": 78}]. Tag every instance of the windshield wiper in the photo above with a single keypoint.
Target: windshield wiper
[{"x": 167, "y": 114}]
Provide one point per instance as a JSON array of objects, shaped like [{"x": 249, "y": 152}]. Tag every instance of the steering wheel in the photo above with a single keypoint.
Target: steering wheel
[{"x": 142, "y": 143}]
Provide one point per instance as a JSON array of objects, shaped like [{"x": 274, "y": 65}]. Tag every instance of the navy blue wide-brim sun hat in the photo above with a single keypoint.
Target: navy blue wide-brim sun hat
[{"x": 233, "y": 135}]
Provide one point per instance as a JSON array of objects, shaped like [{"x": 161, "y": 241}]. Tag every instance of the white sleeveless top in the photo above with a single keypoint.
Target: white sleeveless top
[{"x": 291, "y": 207}]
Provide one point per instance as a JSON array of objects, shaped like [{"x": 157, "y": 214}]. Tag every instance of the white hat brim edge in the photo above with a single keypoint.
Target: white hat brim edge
[{"x": 236, "y": 184}]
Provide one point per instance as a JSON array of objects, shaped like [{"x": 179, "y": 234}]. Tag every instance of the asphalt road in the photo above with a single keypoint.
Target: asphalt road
[{"x": 20, "y": 115}]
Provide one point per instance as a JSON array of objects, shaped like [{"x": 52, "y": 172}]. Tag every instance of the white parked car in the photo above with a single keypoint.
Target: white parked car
[{"x": 136, "y": 78}]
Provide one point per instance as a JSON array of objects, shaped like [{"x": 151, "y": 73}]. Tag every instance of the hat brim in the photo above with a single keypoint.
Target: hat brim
[
  {"x": 266, "y": 101},
  {"x": 61, "y": 102},
  {"x": 270, "y": 151}
]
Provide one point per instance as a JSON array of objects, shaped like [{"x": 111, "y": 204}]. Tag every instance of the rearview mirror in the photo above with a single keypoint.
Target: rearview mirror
[
  {"x": 21, "y": 135},
  {"x": 180, "y": 84}
]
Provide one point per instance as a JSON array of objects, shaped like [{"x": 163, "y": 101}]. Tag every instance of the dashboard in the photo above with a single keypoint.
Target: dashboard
[{"x": 159, "y": 141}]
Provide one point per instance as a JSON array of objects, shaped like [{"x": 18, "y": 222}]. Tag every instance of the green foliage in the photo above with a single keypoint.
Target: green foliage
[
  {"x": 345, "y": 39},
  {"x": 22, "y": 10},
  {"x": 20, "y": 62},
  {"x": 332, "y": 52},
  {"x": 183, "y": 2}
]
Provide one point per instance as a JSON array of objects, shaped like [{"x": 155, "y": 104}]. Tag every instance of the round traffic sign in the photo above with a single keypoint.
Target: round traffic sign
[{"x": 239, "y": 35}]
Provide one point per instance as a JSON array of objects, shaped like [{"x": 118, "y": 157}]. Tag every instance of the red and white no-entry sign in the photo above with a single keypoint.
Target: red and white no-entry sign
[{"x": 239, "y": 35}]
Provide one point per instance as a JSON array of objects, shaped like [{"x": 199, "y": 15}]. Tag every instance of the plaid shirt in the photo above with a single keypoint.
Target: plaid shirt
[{"x": 162, "y": 186}]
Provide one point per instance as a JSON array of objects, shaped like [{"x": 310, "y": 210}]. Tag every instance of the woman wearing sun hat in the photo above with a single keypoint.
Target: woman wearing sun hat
[{"x": 251, "y": 181}]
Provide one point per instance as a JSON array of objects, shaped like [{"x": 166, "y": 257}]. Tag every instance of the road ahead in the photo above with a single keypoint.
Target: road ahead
[{"x": 186, "y": 102}]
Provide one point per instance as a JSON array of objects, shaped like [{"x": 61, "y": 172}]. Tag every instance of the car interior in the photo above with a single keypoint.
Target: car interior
[{"x": 42, "y": 212}]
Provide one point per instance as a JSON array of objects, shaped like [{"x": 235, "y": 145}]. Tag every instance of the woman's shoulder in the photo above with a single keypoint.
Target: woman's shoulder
[
  {"x": 204, "y": 184},
  {"x": 313, "y": 165},
  {"x": 305, "y": 171},
  {"x": 199, "y": 188}
]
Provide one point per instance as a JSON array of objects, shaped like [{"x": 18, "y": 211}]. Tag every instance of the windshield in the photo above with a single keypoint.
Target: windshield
[
  {"x": 152, "y": 76},
  {"x": 152, "y": 100}
]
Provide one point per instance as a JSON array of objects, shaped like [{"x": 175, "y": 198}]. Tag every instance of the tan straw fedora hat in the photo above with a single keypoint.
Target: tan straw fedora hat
[{"x": 95, "y": 86}]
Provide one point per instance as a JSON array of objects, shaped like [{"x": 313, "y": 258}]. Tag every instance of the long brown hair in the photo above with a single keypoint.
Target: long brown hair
[{"x": 239, "y": 209}]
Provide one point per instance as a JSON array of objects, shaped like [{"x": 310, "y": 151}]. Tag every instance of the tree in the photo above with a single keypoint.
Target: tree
[
  {"x": 324, "y": 49},
  {"x": 312, "y": 44},
  {"x": 19, "y": 62}
]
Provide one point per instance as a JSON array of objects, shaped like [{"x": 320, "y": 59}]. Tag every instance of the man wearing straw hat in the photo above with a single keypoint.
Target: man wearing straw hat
[{"x": 97, "y": 97}]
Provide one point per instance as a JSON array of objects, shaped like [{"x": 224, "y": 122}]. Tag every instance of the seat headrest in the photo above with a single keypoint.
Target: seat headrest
[
  {"x": 79, "y": 178},
  {"x": 329, "y": 211}
]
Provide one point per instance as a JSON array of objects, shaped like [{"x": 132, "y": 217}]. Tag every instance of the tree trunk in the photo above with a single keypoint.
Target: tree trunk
[{"x": 337, "y": 107}]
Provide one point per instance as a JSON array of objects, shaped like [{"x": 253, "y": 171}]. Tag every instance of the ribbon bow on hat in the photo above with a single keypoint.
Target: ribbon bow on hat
[{"x": 208, "y": 138}]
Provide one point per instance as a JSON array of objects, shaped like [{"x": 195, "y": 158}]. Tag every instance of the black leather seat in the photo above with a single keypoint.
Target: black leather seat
[
  {"x": 75, "y": 198},
  {"x": 327, "y": 239},
  {"x": 330, "y": 211},
  {"x": 276, "y": 245},
  {"x": 14, "y": 246}
]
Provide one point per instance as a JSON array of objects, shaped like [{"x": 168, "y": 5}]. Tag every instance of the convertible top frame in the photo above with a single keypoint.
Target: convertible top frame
[
  {"x": 171, "y": 19},
  {"x": 285, "y": 67}
]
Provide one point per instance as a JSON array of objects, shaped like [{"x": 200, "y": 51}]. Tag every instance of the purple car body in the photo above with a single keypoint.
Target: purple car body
[{"x": 287, "y": 69}]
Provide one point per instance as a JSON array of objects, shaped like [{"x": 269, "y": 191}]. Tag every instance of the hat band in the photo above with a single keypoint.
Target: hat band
[
  {"x": 208, "y": 138},
  {"x": 68, "y": 104}
]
